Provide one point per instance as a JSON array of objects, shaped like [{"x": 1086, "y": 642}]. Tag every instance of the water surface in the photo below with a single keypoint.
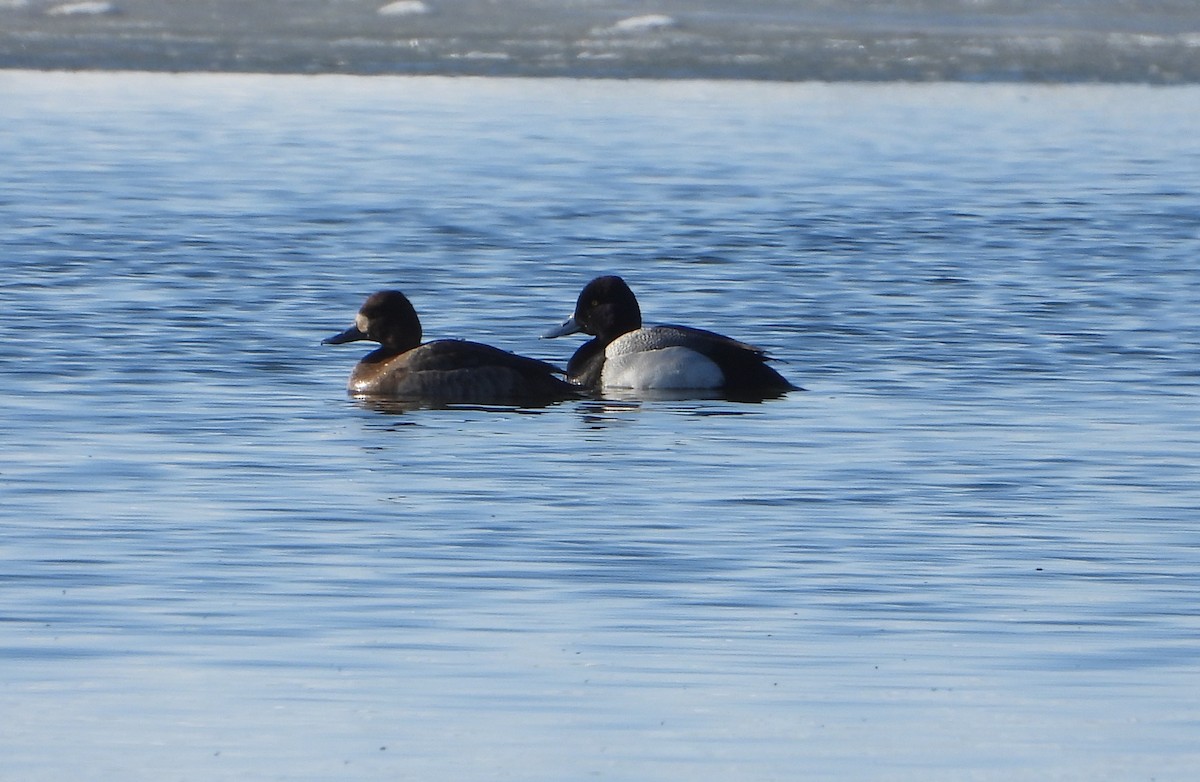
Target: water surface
[{"x": 968, "y": 551}]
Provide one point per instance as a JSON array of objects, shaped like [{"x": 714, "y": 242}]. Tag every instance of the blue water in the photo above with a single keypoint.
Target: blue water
[{"x": 969, "y": 550}]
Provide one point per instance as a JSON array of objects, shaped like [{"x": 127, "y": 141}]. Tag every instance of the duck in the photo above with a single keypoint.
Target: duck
[
  {"x": 623, "y": 354},
  {"x": 443, "y": 371}
]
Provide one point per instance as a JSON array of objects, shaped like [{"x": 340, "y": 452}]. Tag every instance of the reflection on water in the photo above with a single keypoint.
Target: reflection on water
[
  {"x": 399, "y": 406},
  {"x": 969, "y": 546},
  {"x": 625, "y": 406}
]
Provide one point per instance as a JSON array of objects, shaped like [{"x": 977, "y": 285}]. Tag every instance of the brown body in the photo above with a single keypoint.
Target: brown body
[{"x": 445, "y": 371}]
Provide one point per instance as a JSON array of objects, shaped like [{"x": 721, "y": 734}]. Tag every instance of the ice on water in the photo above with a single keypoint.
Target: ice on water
[{"x": 911, "y": 40}]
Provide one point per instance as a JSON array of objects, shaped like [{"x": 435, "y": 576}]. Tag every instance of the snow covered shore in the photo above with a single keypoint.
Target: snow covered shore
[{"x": 880, "y": 40}]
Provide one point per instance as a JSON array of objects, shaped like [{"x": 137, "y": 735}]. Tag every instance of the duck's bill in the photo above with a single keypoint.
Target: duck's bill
[
  {"x": 570, "y": 327},
  {"x": 352, "y": 334}
]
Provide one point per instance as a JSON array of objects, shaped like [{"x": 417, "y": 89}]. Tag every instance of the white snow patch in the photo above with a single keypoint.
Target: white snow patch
[
  {"x": 404, "y": 8},
  {"x": 90, "y": 8},
  {"x": 637, "y": 25},
  {"x": 645, "y": 23},
  {"x": 477, "y": 55},
  {"x": 586, "y": 55}
]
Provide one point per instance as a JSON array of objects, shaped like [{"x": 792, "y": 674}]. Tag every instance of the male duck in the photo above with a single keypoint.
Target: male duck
[
  {"x": 444, "y": 371},
  {"x": 659, "y": 358}
]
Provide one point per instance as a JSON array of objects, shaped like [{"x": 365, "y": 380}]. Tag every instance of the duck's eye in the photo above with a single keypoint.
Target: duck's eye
[{"x": 595, "y": 303}]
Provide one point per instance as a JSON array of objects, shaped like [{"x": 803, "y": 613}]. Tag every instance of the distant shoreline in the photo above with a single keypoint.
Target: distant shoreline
[{"x": 761, "y": 40}]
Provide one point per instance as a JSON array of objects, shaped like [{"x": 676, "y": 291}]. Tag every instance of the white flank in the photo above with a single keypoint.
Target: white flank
[{"x": 661, "y": 370}]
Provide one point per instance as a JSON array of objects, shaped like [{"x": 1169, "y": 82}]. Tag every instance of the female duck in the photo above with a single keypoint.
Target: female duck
[
  {"x": 662, "y": 358},
  {"x": 443, "y": 371}
]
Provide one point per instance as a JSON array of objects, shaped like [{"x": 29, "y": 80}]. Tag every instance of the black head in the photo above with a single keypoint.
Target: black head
[
  {"x": 386, "y": 317},
  {"x": 606, "y": 308}
]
